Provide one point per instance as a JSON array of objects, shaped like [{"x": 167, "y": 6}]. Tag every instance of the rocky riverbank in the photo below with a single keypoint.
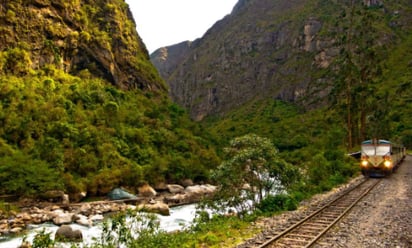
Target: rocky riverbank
[{"x": 88, "y": 213}]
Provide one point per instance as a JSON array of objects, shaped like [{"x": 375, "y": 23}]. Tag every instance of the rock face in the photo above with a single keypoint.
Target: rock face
[
  {"x": 263, "y": 49},
  {"x": 254, "y": 52},
  {"x": 177, "y": 53},
  {"x": 97, "y": 37}
]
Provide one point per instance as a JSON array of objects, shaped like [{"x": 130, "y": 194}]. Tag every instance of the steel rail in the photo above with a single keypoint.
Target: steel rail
[{"x": 306, "y": 219}]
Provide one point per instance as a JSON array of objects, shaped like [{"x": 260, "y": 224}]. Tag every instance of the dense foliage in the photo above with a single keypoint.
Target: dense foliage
[
  {"x": 81, "y": 134},
  {"x": 253, "y": 171},
  {"x": 312, "y": 142}
]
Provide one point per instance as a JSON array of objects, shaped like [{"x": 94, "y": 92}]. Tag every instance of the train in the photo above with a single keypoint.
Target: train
[{"x": 380, "y": 157}]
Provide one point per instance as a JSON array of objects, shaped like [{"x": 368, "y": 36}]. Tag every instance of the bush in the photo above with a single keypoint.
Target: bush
[
  {"x": 276, "y": 203},
  {"x": 21, "y": 174}
]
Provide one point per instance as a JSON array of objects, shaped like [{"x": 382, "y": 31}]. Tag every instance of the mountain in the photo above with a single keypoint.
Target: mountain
[
  {"x": 268, "y": 49},
  {"x": 98, "y": 36},
  {"x": 82, "y": 108}
]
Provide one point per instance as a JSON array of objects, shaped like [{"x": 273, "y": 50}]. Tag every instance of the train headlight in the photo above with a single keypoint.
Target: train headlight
[
  {"x": 364, "y": 163},
  {"x": 387, "y": 163}
]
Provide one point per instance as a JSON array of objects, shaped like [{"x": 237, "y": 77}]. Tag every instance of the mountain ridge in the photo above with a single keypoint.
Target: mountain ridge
[{"x": 262, "y": 49}]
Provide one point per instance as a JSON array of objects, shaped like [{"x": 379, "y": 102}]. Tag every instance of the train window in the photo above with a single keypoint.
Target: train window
[
  {"x": 368, "y": 150},
  {"x": 383, "y": 150},
  {"x": 379, "y": 150}
]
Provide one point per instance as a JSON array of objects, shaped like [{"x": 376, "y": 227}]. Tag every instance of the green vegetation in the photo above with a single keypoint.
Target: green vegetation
[
  {"x": 311, "y": 142},
  {"x": 252, "y": 171},
  {"x": 79, "y": 133},
  {"x": 82, "y": 134},
  {"x": 136, "y": 229}
]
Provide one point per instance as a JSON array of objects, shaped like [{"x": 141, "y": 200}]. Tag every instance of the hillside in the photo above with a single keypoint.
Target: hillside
[
  {"x": 82, "y": 109},
  {"x": 300, "y": 52}
]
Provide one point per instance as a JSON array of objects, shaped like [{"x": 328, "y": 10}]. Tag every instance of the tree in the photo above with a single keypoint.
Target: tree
[
  {"x": 252, "y": 171},
  {"x": 358, "y": 70}
]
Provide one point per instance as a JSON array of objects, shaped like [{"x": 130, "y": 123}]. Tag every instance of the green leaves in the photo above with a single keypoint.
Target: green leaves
[
  {"x": 23, "y": 175},
  {"x": 252, "y": 170},
  {"x": 97, "y": 135}
]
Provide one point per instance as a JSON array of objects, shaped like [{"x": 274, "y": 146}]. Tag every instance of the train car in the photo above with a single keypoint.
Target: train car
[{"x": 380, "y": 157}]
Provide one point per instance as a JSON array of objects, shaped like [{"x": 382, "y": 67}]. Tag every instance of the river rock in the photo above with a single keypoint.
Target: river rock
[
  {"x": 66, "y": 234},
  {"x": 63, "y": 218},
  {"x": 201, "y": 189},
  {"x": 24, "y": 216},
  {"x": 187, "y": 182},
  {"x": 85, "y": 209},
  {"x": 82, "y": 220},
  {"x": 97, "y": 218},
  {"x": 158, "y": 207},
  {"x": 147, "y": 191},
  {"x": 16, "y": 230},
  {"x": 175, "y": 188},
  {"x": 162, "y": 186},
  {"x": 77, "y": 197},
  {"x": 65, "y": 199},
  {"x": 176, "y": 199}
]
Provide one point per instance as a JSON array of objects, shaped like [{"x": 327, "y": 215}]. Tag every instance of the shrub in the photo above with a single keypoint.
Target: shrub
[{"x": 276, "y": 203}]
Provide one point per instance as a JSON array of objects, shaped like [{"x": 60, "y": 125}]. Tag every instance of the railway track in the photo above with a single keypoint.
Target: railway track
[{"x": 307, "y": 231}]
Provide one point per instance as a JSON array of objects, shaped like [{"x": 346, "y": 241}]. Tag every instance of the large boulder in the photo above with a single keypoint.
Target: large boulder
[
  {"x": 201, "y": 189},
  {"x": 66, "y": 234},
  {"x": 187, "y": 182},
  {"x": 120, "y": 194},
  {"x": 161, "y": 186},
  {"x": 63, "y": 218},
  {"x": 147, "y": 191},
  {"x": 82, "y": 220},
  {"x": 176, "y": 199},
  {"x": 175, "y": 188},
  {"x": 156, "y": 207}
]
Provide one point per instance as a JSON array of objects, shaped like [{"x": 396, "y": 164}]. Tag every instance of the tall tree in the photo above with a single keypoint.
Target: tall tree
[{"x": 358, "y": 70}]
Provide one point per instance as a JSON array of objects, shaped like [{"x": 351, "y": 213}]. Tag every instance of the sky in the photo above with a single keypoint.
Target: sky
[{"x": 167, "y": 22}]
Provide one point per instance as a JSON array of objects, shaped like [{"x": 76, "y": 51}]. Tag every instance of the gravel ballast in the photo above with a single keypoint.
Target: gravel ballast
[{"x": 382, "y": 219}]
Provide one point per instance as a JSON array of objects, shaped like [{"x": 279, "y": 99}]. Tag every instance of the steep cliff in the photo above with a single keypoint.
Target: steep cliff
[
  {"x": 264, "y": 48},
  {"x": 98, "y": 36}
]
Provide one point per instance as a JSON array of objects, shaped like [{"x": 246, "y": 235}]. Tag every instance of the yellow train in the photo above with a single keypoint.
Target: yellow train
[{"x": 380, "y": 157}]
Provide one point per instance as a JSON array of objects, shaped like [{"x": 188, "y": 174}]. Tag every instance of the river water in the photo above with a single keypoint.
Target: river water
[{"x": 179, "y": 217}]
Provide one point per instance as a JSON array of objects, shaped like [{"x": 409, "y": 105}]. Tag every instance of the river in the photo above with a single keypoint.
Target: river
[{"x": 179, "y": 217}]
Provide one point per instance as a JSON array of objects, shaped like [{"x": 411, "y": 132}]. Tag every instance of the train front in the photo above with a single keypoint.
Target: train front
[{"x": 376, "y": 158}]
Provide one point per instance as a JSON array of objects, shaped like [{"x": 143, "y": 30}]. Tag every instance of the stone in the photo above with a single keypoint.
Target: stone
[
  {"x": 65, "y": 199},
  {"x": 82, "y": 220},
  {"x": 175, "y": 188},
  {"x": 66, "y": 234},
  {"x": 63, "y": 218},
  {"x": 158, "y": 207},
  {"x": 119, "y": 194},
  {"x": 201, "y": 189},
  {"x": 187, "y": 182},
  {"x": 96, "y": 218},
  {"x": 16, "y": 230},
  {"x": 85, "y": 209},
  {"x": 162, "y": 186},
  {"x": 147, "y": 191},
  {"x": 176, "y": 199}
]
